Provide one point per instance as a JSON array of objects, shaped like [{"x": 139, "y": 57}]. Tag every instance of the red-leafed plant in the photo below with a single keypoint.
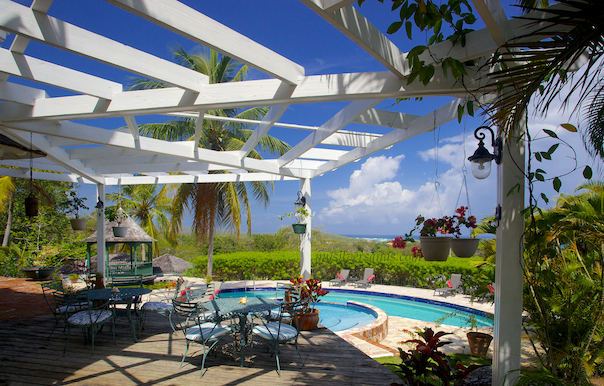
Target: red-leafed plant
[
  {"x": 426, "y": 365},
  {"x": 310, "y": 288}
]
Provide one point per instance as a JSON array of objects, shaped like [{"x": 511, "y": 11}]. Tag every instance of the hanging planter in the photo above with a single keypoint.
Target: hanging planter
[
  {"x": 31, "y": 206},
  {"x": 464, "y": 247},
  {"x": 119, "y": 216},
  {"x": 435, "y": 248},
  {"x": 120, "y": 231},
  {"x": 78, "y": 224},
  {"x": 299, "y": 229}
]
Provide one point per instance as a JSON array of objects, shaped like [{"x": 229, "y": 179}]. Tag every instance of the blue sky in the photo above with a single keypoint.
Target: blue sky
[{"x": 379, "y": 195}]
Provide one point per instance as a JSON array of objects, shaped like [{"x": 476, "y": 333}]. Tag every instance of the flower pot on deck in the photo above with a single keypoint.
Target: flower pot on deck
[
  {"x": 308, "y": 321},
  {"x": 479, "y": 343},
  {"x": 38, "y": 273},
  {"x": 435, "y": 248},
  {"x": 464, "y": 247}
]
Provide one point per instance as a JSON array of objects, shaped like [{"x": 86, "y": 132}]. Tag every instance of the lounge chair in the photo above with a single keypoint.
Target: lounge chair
[
  {"x": 454, "y": 283},
  {"x": 368, "y": 278},
  {"x": 341, "y": 279}
]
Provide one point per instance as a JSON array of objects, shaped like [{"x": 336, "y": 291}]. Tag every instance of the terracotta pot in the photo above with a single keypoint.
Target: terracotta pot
[
  {"x": 435, "y": 248},
  {"x": 309, "y": 321},
  {"x": 479, "y": 343},
  {"x": 78, "y": 224},
  {"x": 120, "y": 231},
  {"x": 464, "y": 247},
  {"x": 299, "y": 228}
]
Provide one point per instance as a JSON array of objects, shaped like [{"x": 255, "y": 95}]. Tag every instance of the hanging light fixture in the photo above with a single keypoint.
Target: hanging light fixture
[
  {"x": 481, "y": 159},
  {"x": 31, "y": 202},
  {"x": 300, "y": 202}
]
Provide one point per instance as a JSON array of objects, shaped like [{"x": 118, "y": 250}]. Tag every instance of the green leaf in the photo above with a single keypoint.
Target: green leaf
[
  {"x": 587, "y": 173},
  {"x": 408, "y": 27},
  {"x": 538, "y": 156},
  {"x": 437, "y": 26},
  {"x": 394, "y": 27},
  {"x": 539, "y": 177},
  {"x": 459, "y": 112},
  {"x": 557, "y": 184},
  {"x": 553, "y": 149},
  {"x": 470, "y": 105},
  {"x": 417, "y": 50},
  {"x": 550, "y": 133},
  {"x": 569, "y": 127},
  {"x": 546, "y": 155},
  {"x": 544, "y": 197}
]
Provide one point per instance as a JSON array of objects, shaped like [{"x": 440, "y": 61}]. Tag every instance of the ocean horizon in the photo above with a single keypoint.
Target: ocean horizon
[{"x": 380, "y": 238}]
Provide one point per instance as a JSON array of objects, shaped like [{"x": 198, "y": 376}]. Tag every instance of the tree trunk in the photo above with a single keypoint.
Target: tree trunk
[
  {"x": 210, "y": 250},
  {"x": 9, "y": 222}
]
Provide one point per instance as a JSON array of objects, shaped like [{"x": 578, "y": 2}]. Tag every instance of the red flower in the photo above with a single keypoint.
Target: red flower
[{"x": 399, "y": 242}]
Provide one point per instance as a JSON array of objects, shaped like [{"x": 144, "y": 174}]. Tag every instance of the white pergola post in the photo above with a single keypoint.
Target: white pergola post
[
  {"x": 305, "y": 244},
  {"x": 509, "y": 262},
  {"x": 100, "y": 233}
]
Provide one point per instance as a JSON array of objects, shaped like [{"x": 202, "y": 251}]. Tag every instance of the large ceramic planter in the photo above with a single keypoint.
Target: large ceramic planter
[
  {"x": 435, "y": 248},
  {"x": 299, "y": 228},
  {"x": 479, "y": 343},
  {"x": 464, "y": 247},
  {"x": 309, "y": 321},
  {"x": 78, "y": 224},
  {"x": 120, "y": 231},
  {"x": 38, "y": 273}
]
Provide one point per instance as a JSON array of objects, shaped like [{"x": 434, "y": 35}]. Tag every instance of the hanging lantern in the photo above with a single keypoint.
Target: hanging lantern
[{"x": 31, "y": 206}]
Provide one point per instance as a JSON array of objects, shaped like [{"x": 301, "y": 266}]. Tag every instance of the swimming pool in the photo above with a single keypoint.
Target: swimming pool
[{"x": 393, "y": 305}]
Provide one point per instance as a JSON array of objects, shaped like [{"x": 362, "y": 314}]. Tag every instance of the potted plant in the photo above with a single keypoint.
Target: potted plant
[
  {"x": 479, "y": 342},
  {"x": 463, "y": 246},
  {"x": 118, "y": 216},
  {"x": 73, "y": 205},
  {"x": 300, "y": 214},
  {"x": 311, "y": 288}
]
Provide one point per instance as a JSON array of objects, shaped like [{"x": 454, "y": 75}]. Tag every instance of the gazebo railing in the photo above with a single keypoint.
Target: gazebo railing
[{"x": 128, "y": 269}]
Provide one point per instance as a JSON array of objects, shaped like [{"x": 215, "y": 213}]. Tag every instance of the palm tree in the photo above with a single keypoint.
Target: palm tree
[
  {"x": 214, "y": 204},
  {"x": 7, "y": 196},
  {"x": 547, "y": 67},
  {"x": 148, "y": 205}
]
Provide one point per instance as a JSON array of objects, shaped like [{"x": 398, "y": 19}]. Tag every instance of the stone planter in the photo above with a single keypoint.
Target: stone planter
[
  {"x": 38, "y": 273},
  {"x": 435, "y": 248},
  {"x": 120, "y": 231},
  {"x": 464, "y": 247},
  {"x": 78, "y": 224}
]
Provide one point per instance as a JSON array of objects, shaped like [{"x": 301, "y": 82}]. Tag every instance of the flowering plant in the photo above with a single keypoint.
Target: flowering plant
[
  {"x": 445, "y": 225},
  {"x": 310, "y": 288}
]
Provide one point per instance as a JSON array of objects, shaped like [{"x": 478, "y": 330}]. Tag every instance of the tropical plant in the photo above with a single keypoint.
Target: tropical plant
[
  {"x": 311, "y": 288},
  {"x": 214, "y": 204},
  {"x": 74, "y": 203}
]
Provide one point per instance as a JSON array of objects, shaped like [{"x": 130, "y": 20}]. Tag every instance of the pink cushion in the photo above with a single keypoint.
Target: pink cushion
[
  {"x": 491, "y": 289},
  {"x": 217, "y": 290},
  {"x": 211, "y": 297},
  {"x": 370, "y": 277},
  {"x": 339, "y": 276},
  {"x": 449, "y": 284}
]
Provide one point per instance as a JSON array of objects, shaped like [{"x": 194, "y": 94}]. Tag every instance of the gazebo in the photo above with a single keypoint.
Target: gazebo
[
  {"x": 61, "y": 124},
  {"x": 137, "y": 265}
]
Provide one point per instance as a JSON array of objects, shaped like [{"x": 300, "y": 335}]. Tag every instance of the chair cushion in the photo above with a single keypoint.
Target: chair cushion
[
  {"x": 73, "y": 308},
  {"x": 269, "y": 331},
  {"x": 207, "y": 330},
  {"x": 86, "y": 318},
  {"x": 157, "y": 306}
]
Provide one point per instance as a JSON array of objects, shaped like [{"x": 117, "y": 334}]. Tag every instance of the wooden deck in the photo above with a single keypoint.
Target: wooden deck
[{"x": 27, "y": 357}]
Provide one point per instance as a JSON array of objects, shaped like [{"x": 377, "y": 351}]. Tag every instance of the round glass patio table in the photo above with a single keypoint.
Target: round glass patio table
[
  {"x": 232, "y": 306},
  {"x": 125, "y": 295}
]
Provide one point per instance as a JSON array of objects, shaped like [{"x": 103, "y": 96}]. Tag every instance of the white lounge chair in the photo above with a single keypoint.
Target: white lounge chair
[
  {"x": 368, "y": 278},
  {"x": 455, "y": 282},
  {"x": 340, "y": 280}
]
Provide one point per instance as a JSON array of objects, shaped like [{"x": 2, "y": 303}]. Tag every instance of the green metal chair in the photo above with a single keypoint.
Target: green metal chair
[
  {"x": 59, "y": 302},
  {"x": 163, "y": 305},
  {"x": 204, "y": 332},
  {"x": 90, "y": 320},
  {"x": 275, "y": 333}
]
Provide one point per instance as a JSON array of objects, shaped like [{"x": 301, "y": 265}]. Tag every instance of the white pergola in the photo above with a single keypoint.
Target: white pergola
[{"x": 77, "y": 152}]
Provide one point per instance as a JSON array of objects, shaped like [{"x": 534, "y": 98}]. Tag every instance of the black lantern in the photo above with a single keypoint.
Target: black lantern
[
  {"x": 99, "y": 206},
  {"x": 31, "y": 202},
  {"x": 300, "y": 202},
  {"x": 481, "y": 159}
]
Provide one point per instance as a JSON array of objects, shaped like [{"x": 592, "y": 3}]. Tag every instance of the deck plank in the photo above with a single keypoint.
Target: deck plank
[{"x": 27, "y": 357}]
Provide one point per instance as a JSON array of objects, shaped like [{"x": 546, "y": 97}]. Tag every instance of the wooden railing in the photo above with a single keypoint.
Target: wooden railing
[{"x": 127, "y": 269}]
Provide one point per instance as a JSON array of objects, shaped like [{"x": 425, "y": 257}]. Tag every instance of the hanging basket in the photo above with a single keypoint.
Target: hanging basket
[
  {"x": 435, "y": 248},
  {"x": 31, "y": 206},
  {"x": 299, "y": 228},
  {"x": 464, "y": 247},
  {"x": 78, "y": 224},
  {"x": 120, "y": 231}
]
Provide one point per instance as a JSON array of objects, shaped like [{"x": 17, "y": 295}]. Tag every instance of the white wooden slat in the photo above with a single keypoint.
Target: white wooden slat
[
  {"x": 52, "y": 74},
  {"x": 198, "y": 127},
  {"x": 199, "y": 28},
  {"x": 184, "y": 150},
  {"x": 21, "y": 20},
  {"x": 358, "y": 29},
  {"x": 323, "y": 154},
  {"x": 338, "y": 121},
  {"x": 274, "y": 113},
  {"x": 324, "y": 88},
  {"x": 205, "y": 178},
  {"x": 350, "y": 139},
  {"x": 333, "y": 5},
  {"x": 16, "y": 173},
  {"x": 132, "y": 126},
  {"x": 493, "y": 15},
  {"x": 385, "y": 118},
  {"x": 40, "y": 163},
  {"x": 16, "y": 93}
]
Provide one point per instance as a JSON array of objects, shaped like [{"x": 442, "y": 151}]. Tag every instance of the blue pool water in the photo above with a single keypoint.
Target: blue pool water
[{"x": 338, "y": 317}]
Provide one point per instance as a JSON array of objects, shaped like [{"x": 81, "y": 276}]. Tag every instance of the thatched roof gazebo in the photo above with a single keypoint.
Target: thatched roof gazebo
[
  {"x": 135, "y": 237},
  {"x": 168, "y": 263}
]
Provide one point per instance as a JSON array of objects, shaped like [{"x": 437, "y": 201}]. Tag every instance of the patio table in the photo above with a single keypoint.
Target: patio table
[
  {"x": 125, "y": 294},
  {"x": 226, "y": 306}
]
